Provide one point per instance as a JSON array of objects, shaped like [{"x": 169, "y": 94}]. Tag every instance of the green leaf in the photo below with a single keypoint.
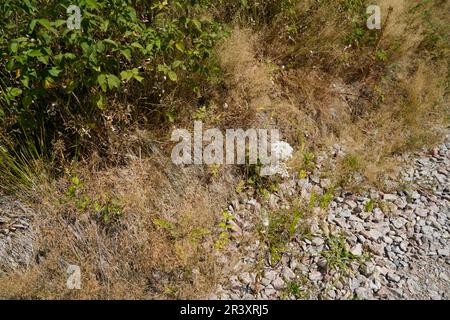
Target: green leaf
[
  {"x": 162, "y": 68},
  {"x": 101, "y": 79},
  {"x": 112, "y": 42},
  {"x": 32, "y": 25},
  {"x": 71, "y": 86},
  {"x": 108, "y": 81},
  {"x": 13, "y": 47},
  {"x": 197, "y": 24},
  {"x": 180, "y": 46},
  {"x": 137, "y": 45},
  {"x": 69, "y": 56},
  {"x": 172, "y": 75},
  {"x": 10, "y": 65},
  {"x": 75, "y": 181},
  {"x": 176, "y": 64},
  {"x": 35, "y": 53},
  {"x": 15, "y": 92},
  {"x": 113, "y": 81},
  {"x": 25, "y": 81},
  {"x": 126, "y": 75},
  {"x": 60, "y": 22},
  {"x": 158, "y": 43},
  {"x": 100, "y": 47},
  {"x": 54, "y": 72},
  {"x": 100, "y": 102},
  {"x": 138, "y": 78},
  {"x": 87, "y": 50},
  {"x": 43, "y": 59},
  {"x": 126, "y": 53},
  {"x": 47, "y": 25}
]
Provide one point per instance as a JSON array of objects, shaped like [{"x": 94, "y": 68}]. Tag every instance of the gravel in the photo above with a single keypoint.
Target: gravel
[{"x": 400, "y": 249}]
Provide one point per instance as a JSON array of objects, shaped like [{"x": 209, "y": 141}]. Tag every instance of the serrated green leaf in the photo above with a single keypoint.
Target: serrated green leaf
[
  {"x": 15, "y": 92},
  {"x": 126, "y": 53},
  {"x": 54, "y": 72},
  {"x": 126, "y": 75},
  {"x": 176, "y": 64},
  {"x": 101, "y": 80},
  {"x": 35, "y": 53},
  {"x": 172, "y": 75},
  {"x": 43, "y": 59},
  {"x": 13, "y": 47}
]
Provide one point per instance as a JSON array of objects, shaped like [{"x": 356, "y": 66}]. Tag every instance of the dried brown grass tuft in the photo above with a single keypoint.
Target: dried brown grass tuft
[
  {"x": 161, "y": 245},
  {"x": 247, "y": 79}
]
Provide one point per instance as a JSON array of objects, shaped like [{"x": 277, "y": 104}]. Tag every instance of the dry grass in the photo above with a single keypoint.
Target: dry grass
[
  {"x": 160, "y": 246},
  {"x": 397, "y": 105},
  {"x": 246, "y": 79}
]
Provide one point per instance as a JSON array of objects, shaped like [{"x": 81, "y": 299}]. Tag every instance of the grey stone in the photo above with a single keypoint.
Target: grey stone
[
  {"x": 278, "y": 284},
  {"x": 399, "y": 223},
  {"x": 390, "y": 197},
  {"x": 421, "y": 212},
  {"x": 315, "y": 276},
  {"x": 357, "y": 250},
  {"x": 400, "y": 203},
  {"x": 372, "y": 234},
  {"x": 363, "y": 293},
  {"x": 317, "y": 241},
  {"x": 288, "y": 274},
  {"x": 393, "y": 277},
  {"x": 443, "y": 252}
]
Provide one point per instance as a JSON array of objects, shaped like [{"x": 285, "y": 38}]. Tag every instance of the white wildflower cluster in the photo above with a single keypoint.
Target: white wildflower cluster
[{"x": 281, "y": 151}]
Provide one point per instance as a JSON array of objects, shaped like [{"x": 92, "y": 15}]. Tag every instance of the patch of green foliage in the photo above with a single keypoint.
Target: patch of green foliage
[
  {"x": 104, "y": 207},
  {"x": 282, "y": 229},
  {"x": 60, "y": 79},
  {"x": 225, "y": 230},
  {"x": 338, "y": 256},
  {"x": 296, "y": 290}
]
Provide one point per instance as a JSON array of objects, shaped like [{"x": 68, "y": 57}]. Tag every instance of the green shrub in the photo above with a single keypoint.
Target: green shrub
[{"x": 55, "y": 78}]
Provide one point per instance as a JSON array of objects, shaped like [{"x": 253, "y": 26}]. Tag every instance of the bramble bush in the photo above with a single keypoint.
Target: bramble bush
[{"x": 51, "y": 76}]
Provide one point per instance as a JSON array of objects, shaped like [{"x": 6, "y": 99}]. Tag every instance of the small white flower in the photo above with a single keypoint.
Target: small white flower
[{"x": 283, "y": 150}]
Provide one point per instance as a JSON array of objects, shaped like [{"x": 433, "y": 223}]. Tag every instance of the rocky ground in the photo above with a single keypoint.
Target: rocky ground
[
  {"x": 372, "y": 245},
  {"x": 16, "y": 237}
]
